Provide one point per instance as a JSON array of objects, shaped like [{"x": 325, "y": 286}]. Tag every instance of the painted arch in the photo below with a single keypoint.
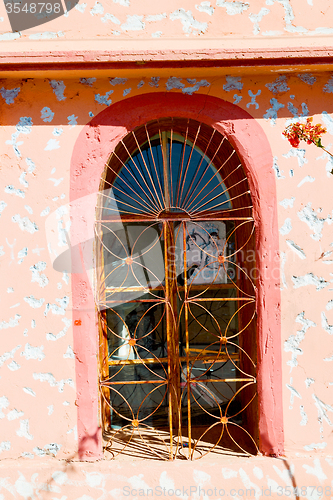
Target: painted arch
[{"x": 93, "y": 147}]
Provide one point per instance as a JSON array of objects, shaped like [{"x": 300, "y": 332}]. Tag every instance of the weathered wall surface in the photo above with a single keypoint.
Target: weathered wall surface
[
  {"x": 44, "y": 117},
  {"x": 212, "y": 479},
  {"x": 42, "y": 120},
  {"x": 138, "y": 19}
]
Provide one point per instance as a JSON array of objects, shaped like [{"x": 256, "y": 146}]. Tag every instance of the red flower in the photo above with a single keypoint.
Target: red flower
[{"x": 307, "y": 132}]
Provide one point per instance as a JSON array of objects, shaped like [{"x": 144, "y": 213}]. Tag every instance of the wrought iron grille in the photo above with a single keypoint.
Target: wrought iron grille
[{"x": 176, "y": 295}]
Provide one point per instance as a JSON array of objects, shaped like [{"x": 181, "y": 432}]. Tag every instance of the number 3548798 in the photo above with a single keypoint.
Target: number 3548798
[{"x": 33, "y": 8}]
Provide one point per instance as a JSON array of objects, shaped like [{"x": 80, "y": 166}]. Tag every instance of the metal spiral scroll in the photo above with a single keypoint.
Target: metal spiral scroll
[{"x": 176, "y": 295}]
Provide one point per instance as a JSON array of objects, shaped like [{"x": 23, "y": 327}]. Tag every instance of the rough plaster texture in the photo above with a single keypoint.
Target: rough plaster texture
[
  {"x": 138, "y": 19},
  {"x": 38, "y": 395},
  {"x": 42, "y": 119}
]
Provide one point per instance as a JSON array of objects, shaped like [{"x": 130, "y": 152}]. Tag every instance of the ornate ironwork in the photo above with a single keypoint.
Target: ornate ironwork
[{"x": 176, "y": 295}]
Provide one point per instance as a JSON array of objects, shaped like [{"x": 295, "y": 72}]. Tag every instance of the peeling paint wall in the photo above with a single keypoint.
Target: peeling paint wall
[
  {"x": 42, "y": 118},
  {"x": 129, "y": 19}
]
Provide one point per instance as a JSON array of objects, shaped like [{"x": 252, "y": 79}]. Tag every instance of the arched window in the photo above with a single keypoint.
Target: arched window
[{"x": 176, "y": 295}]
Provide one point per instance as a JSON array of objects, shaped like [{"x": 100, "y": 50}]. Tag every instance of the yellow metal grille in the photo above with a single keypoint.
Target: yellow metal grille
[{"x": 176, "y": 295}]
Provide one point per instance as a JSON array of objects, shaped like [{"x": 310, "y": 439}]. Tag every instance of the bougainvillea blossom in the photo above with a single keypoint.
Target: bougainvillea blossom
[{"x": 307, "y": 132}]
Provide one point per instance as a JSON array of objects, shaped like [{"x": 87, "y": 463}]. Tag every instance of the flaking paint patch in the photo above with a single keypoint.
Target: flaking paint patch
[
  {"x": 48, "y": 449},
  {"x": 50, "y": 379},
  {"x": 189, "y": 23},
  {"x": 174, "y": 83},
  {"x": 62, "y": 333},
  {"x": 296, "y": 249},
  {"x": 307, "y": 78},
  {"x": 329, "y": 305},
  {"x": 8, "y": 355},
  {"x": 309, "y": 279},
  {"x": 46, "y": 114},
  {"x": 287, "y": 475},
  {"x": 294, "y": 111},
  {"x": 33, "y": 302},
  {"x": 156, "y": 17},
  {"x": 293, "y": 394},
  {"x": 4, "y": 403},
  {"x": 288, "y": 202},
  {"x": 307, "y": 178},
  {"x": 3, "y": 205},
  {"x": 316, "y": 470},
  {"x": 104, "y": 99},
  {"x": 276, "y": 168},
  {"x": 271, "y": 113},
  {"x": 205, "y": 7},
  {"x": 11, "y": 190},
  {"x": 14, "y": 414},
  {"x": 69, "y": 353},
  {"x": 286, "y": 227},
  {"x": 37, "y": 277},
  {"x": 196, "y": 87},
  {"x": 47, "y": 35},
  {"x": 166, "y": 481},
  {"x": 154, "y": 81},
  {"x": 283, "y": 257},
  {"x": 58, "y": 88},
  {"x": 256, "y": 18},
  {"x": 29, "y": 391},
  {"x": 5, "y": 446},
  {"x": 324, "y": 323},
  {"x": 328, "y": 120},
  {"x": 55, "y": 308},
  {"x": 133, "y": 23},
  {"x": 309, "y": 382},
  {"x": 87, "y": 81},
  {"x": 253, "y": 101},
  {"x": 279, "y": 85},
  {"x": 72, "y": 120},
  {"x": 13, "y": 366},
  {"x": 24, "y": 431},
  {"x": 249, "y": 485},
  {"x": 31, "y": 352},
  {"x": 299, "y": 153},
  {"x": 11, "y": 323},
  {"x": 329, "y": 86},
  {"x": 322, "y": 409},
  {"x": 315, "y": 223},
  {"x": 233, "y": 8},
  {"x": 25, "y": 224},
  {"x": 293, "y": 342},
  {"x": 315, "y": 446},
  {"x": 229, "y": 473},
  {"x": 9, "y": 36},
  {"x": 51, "y": 145},
  {"x": 304, "y": 416},
  {"x": 9, "y": 95},
  {"x": 233, "y": 83}
]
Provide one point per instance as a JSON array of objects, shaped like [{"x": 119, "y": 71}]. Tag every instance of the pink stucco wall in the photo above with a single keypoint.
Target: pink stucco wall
[
  {"x": 42, "y": 118},
  {"x": 132, "y": 20}
]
